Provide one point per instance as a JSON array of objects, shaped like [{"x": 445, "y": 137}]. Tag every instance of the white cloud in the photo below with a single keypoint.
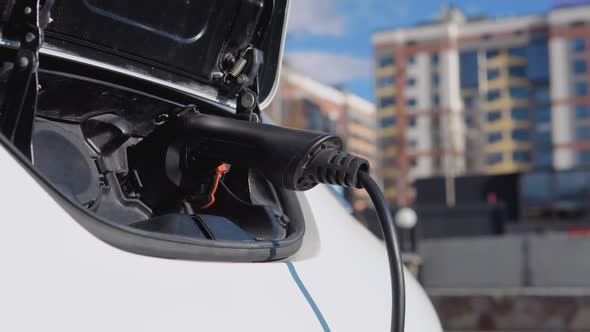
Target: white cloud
[
  {"x": 330, "y": 68},
  {"x": 316, "y": 17}
]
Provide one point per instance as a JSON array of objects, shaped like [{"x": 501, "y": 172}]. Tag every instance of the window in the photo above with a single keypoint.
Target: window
[
  {"x": 495, "y": 158},
  {"x": 386, "y": 60},
  {"x": 387, "y": 121},
  {"x": 314, "y": 117},
  {"x": 411, "y": 81},
  {"x": 520, "y": 135},
  {"x": 578, "y": 45},
  {"x": 435, "y": 79},
  {"x": 410, "y": 60},
  {"x": 517, "y": 71},
  {"x": 412, "y": 122},
  {"x": 494, "y": 137},
  {"x": 585, "y": 157},
  {"x": 519, "y": 92},
  {"x": 583, "y": 133},
  {"x": 388, "y": 141},
  {"x": 412, "y": 102},
  {"x": 493, "y": 95},
  {"x": 541, "y": 95},
  {"x": 519, "y": 114},
  {"x": 468, "y": 69},
  {"x": 517, "y": 51},
  {"x": 580, "y": 89},
  {"x": 468, "y": 122},
  {"x": 435, "y": 59},
  {"x": 521, "y": 156},
  {"x": 538, "y": 61},
  {"x": 492, "y": 54},
  {"x": 582, "y": 112},
  {"x": 544, "y": 159},
  {"x": 387, "y": 81},
  {"x": 412, "y": 144},
  {"x": 537, "y": 189},
  {"x": 386, "y": 101},
  {"x": 436, "y": 100},
  {"x": 494, "y": 116},
  {"x": 493, "y": 73},
  {"x": 469, "y": 101},
  {"x": 543, "y": 138},
  {"x": 543, "y": 115},
  {"x": 579, "y": 66}
]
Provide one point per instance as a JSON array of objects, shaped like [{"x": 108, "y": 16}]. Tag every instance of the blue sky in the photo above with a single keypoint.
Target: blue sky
[{"x": 330, "y": 40}]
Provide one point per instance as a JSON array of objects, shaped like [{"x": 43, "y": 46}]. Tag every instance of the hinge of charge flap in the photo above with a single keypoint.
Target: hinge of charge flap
[
  {"x": 243, "y": 77},
  {"x": 22, "y": 23}
]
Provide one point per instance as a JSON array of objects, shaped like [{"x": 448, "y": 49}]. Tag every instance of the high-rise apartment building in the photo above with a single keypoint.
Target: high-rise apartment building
[
  {"x": 302, "y": 102},
  {"x": 482, "y": 96}
]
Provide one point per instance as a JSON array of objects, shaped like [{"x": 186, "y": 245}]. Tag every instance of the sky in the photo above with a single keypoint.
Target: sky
[{"x": 330, "y": 40}]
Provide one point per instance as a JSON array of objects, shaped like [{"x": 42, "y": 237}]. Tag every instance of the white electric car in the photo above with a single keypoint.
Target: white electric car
[{"x": 116, "y": 218}]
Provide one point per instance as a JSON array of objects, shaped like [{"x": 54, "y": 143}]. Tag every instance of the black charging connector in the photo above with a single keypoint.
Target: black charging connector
[{"x": 299, "y": 160}]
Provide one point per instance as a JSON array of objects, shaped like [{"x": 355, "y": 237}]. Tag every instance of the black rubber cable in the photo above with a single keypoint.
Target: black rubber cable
[{"x": 396, "y": 269}]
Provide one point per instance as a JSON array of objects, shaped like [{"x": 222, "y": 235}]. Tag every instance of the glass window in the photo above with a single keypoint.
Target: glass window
[
  {"x": 541, "y": 95},
  {"x": 572, "y": 189},
  {"x": 519, "y": 92},
  {"x": 387, "y": 121},
  {"x": 412, "y": 122},
  {"x": 517, "y": 51},
  {"x": 578, "y": 45},
  {"x": 517, "y": 71},
  {"x": 493, "y": 95},
  {"x": 386, "y": 81},
  {"x": 544, "y": 159},
  {"x": 314, "y": 117},
  {"x": 493, "y": 73},
  {"x": 495, "y": 158},
  {"x": 494, "y": 137},
  {"x": 410, "y": 60},
  {"x": 583, "y": 133},
  {"x": 388, "y": 141},
  {"x": 543, "y": 138},
  {"x": 411, "y": 81},
  {"x": 521, "y": 135},
  {"x": 412, "y": 102},
  {"x": 519, "y": 114},
  {"x": 435, "y": 58},
  {"x": 494, "y": 116},
  {"x": 543, "y": 115},
  {"x": 468, "y": 122},
  {"x": 492, "y": 54},
  {"x": 585, "y": 157},
  {"x": 538, "y": 61},
  {"x": 536, "y": 189},
  {"x": 436, "y": 100},
  {"x": 521, "y": 156},
  {"x": 579, "y": 66},
  {"x": 386, "y": 101},
  {"x": 469, "y": 101},
  {"x": 435, "y": 79},
  {"x": 582, "y": 112},
  {"x": 580, "y": 89},
  {"x": 386, "y": 60},
  {"x": 468, "y": 69}
]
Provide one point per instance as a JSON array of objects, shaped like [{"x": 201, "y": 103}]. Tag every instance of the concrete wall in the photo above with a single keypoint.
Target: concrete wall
[{"x": 550, "y": 261}]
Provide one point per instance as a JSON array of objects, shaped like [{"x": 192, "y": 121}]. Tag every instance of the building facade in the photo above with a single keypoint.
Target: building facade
[
  {"x": 302, "y": 102},
  {"x": 482, "y": 96}
]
